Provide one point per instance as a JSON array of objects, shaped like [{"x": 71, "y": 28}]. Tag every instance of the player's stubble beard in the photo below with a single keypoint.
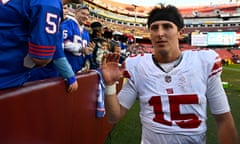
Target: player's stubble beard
[{"x": 161, "y": 54}]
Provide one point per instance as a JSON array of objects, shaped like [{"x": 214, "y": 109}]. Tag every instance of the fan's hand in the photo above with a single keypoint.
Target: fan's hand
[{"x": 73, "y": 87}]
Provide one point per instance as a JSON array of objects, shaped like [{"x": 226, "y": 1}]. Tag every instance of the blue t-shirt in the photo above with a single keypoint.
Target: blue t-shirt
[{"x": 27, "y": 27}]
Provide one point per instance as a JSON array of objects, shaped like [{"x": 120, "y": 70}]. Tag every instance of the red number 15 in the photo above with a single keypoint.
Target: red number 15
[{"x": 183, "y": 120}]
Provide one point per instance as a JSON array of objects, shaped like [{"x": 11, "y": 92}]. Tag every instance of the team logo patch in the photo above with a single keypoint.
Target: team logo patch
[
  {"x": 168, "y": 79},
  {"x": 169, "y": 91}
]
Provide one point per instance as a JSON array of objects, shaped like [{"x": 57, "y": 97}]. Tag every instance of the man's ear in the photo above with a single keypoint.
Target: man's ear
[{"x": 181, "y": 34}]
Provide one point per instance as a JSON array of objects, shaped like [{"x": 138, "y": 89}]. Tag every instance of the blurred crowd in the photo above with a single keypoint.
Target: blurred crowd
[{"x": 55, "y": 40}]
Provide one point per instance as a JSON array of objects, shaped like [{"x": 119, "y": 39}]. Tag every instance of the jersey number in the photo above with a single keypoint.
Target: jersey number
[
  {"x": 183, "y": 120},
  {"x": 52, "y": 25},
  {"x": 4, "y": 1}
]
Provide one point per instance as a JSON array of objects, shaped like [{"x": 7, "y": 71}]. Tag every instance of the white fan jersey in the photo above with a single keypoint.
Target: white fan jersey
[{"x": 175, "y": 102}]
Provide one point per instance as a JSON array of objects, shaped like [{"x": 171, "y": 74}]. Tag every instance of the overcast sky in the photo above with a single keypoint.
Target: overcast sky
[{"x": 174, "y": 2}]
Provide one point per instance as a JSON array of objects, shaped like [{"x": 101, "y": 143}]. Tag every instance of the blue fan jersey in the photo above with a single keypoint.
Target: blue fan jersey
[
  {"x": 52, "y": 69},
  {"x": 27, "y": 27},
  {"x": 49, "y": 71},
  {"x": 73, "y": 33}
]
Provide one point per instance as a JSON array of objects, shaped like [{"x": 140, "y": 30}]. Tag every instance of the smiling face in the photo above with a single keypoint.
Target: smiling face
[
  {"x": 165, "y": 38},
  {"x": 82, "y": 15}
]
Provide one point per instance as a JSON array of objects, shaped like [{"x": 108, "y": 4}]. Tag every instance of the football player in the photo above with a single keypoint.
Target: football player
[{"x": 173, "y": 87}]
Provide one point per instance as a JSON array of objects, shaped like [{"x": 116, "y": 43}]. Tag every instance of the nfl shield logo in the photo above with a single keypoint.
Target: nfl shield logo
[
  {"x": 168, "y": 79},
  {"x": 169, "y": 91}
]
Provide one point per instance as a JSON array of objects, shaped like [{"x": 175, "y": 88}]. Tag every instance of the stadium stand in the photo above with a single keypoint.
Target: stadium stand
[
  {"x": 224, "y": 53},
  {"x": 210, "y": 18},
  {"x": 131, "y": 20},
  {"x": 42, "y": 111}
]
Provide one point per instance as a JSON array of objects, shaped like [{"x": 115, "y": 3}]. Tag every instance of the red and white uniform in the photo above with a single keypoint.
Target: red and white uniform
[{"x": 173, "y": 105}]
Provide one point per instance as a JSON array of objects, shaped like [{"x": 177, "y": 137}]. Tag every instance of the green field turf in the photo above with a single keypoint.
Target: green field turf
[{"x": 128, "y": 130}]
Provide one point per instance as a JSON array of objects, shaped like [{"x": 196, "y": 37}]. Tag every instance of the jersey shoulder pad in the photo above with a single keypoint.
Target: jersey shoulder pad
[
  {"x": 134, "y": 60},
  {"x": 205, "y": 55}
]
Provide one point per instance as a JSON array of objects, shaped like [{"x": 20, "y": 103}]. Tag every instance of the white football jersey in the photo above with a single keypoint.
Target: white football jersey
[{"x": 175, "y": 102}]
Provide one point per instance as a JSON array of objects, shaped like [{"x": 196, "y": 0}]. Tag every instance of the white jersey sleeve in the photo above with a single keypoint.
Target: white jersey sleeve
[
  {"x": 216, "y": 96},
  {"x": 128, "y": 93}
]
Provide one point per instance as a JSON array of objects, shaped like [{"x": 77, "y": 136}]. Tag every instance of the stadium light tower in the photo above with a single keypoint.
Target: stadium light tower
[
  {"x": 135, "y": 12},
  {"x": 135, "y": 19}
]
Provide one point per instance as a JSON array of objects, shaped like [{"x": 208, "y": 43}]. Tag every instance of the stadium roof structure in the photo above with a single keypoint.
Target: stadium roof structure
[{"x": 144, "y": 10}]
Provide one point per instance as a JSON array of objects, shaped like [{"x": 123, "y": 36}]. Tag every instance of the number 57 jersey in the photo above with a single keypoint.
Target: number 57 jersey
[
  {"x": 27, "y": 28},
  {"x": 175, "y": 102}
]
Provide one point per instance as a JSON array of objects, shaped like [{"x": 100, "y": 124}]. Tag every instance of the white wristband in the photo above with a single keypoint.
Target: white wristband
[{"x": 110, "y": 89}]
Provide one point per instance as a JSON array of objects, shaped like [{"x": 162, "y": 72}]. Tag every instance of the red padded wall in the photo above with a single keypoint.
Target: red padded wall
[{"x": 42, "y": 112}]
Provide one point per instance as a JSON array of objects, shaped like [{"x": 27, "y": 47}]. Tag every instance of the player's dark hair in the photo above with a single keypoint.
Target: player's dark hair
[{"x": 169, "y": 13}]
